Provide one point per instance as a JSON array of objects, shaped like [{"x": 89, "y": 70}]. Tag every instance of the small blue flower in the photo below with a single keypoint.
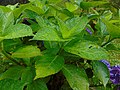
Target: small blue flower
[
  {"x": 89, "y": 31},
  {"x": 114, "y": 72},
  {"x": 106, "y": 63}
]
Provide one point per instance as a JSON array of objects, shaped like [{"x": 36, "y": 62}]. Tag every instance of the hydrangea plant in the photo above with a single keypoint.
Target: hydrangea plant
[{"x": 58, "y": 45}]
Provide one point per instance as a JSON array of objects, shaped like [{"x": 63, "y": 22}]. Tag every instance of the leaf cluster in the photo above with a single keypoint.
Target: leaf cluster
[{"x": 44, "y": 39}]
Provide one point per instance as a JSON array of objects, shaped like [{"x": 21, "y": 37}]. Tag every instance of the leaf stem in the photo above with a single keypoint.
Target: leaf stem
[
  {"x": 94, "y": 11},
  {"x": 9, "y": 57},
  {"x": 107, "y": 42}
]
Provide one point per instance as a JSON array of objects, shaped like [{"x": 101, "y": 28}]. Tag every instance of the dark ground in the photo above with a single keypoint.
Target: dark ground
[{"x": 7, "y": 2}]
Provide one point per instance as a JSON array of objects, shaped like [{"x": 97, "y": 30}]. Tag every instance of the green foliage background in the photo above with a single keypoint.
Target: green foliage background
[{"x": 44, "y": 44}]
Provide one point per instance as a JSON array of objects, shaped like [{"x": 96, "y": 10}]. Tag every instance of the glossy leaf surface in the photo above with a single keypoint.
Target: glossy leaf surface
[
  {"x": 12, "y": 73},
  {"x": 9, "y": 84},
  {"x": 101, "y": 71},
  {"x": 37, "y": 85},
  {"x": 48, "y": 65},
  {"x": 76, "y": 77},
  {"x": 88, "y": 50},
  {"x": 26, "y": 52},
  {"x": 17, "y": 31}
]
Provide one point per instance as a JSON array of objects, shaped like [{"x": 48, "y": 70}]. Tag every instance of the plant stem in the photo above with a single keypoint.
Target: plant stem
[
  {"x": 95, "y": 11},
  {"x": 9, "y": 57},
  {"x": 107, "y": 42},
  {"x": 13, "y": 60}
]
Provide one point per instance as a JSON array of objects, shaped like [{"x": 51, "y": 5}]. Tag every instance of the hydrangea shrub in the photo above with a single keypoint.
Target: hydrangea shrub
[{"x": 59, "y": 45}]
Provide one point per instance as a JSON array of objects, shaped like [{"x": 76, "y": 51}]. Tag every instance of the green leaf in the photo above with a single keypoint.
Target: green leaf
[
  {"x": 6, "y": 19},
  {"x": 47, "y": 34},
  {"x": 50, "y": 44},
  {"x": 1, "y": 38},
  {"x": 36, "y": 9},
  {"x": 48, "y": 65},
  {"x": 51, "y": 51},
  {"x": 5, "y": 9},
  {"x": 73, "y": 26},
  {"x": 28, "y": 75},
  {"x": 17, "y": 31},
  {"x": 80, "y": 25},
  {"x": 108, "y": 15},
  {"x": 29, "y": 14},
  {"x": 113, "y": 30},
  {"x": 114, "y": 56},
  {"x": 87, "y": 50},
  {"x": 26, "y": 52},
  {"x": 114, "y": 21},
  {"x": 37, "y": 85},
  {"x": 76, "y": 77},
  {"x": 66, "y": 12},
  {"x": 28, "y": 6},
  {"x": 70, "y": 6},
  {"x": 86, "y": 5},
  {"x": 114, "y": 51},
  {"x": 63, "y": 28},
  {"x": 63, "y": 12},
  {"x": 41, "y": 22},
  {"x": 12, "y": 7},
  {"x": 9, "y": 84},
  {"x": 38, "y": 3},
  {"x": 101, "y": 71},
  {"x": 54, "y": 1},
  {"x": 12, "y": 73},
  {"x": 10, "y": 43}
]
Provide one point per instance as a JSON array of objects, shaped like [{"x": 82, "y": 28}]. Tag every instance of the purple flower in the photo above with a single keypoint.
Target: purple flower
[
  {"x": 115, "y": 74},
  {"x": 106, "y": 63},
  {"x": 89, "y": 31}
]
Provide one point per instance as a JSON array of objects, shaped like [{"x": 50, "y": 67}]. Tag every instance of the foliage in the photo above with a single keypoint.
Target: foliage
[{"x": 46, "y": 44}]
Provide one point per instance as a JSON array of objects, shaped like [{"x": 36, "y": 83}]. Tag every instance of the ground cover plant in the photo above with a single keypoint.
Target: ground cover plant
[{"x": 60, "y": 45}]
